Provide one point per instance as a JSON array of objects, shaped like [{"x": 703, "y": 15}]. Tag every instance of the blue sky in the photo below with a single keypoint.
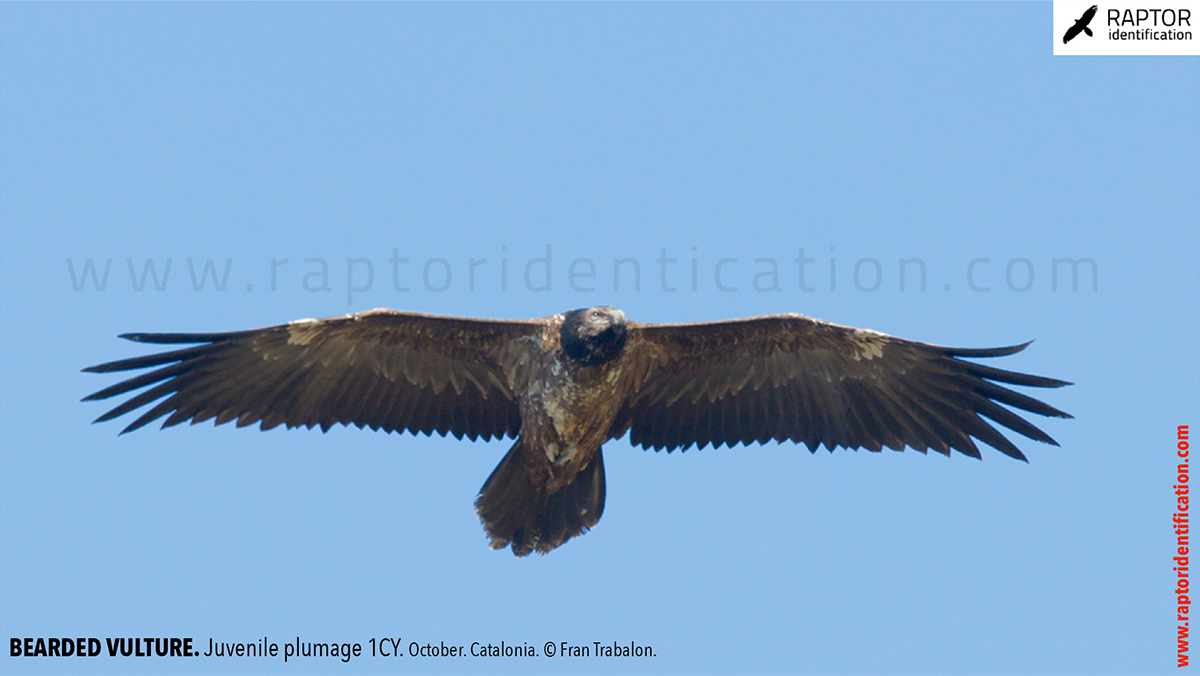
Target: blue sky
[{"x": 341, "y": 137}]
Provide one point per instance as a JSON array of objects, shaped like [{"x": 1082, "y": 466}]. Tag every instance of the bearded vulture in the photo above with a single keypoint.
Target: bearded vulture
[{"x": 564, "y": 385}]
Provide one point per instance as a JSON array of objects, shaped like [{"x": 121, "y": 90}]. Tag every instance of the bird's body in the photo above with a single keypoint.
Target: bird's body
[
  {"x": 566, "y": 384},
  {"x": 567, "y": 407}
]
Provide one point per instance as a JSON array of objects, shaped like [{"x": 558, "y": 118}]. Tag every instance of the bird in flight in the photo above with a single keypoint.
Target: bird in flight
[
  {"x": 1081, "y": 25},
  {"x": 564, "y": 385}
]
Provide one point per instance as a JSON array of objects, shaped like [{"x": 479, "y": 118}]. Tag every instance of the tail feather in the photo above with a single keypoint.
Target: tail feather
[
  {"x": 515, "y": 509},
  {"x": 576, "y": 508}
]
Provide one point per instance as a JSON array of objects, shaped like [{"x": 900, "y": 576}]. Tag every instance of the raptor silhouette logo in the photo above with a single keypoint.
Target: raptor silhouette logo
[{"x": 1081, "y": 25}]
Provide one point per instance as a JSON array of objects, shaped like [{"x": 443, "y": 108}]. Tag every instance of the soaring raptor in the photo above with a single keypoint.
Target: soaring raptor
[
  {"x": 1081, "y": 25},
  {"x": 564, "y": 385}
]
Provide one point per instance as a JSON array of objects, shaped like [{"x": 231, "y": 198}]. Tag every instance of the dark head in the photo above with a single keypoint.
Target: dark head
[{"x": 593, "y": 336}]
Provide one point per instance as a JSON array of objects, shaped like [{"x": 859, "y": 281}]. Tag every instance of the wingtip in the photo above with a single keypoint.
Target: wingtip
[
  {"x": 1020, "y": 347},
  {"x": 1014, "y": 453},
  {"x": 985, "y": 352},
  {"x": 106, "y": 418},
  {"x": 174, "y": 338}
]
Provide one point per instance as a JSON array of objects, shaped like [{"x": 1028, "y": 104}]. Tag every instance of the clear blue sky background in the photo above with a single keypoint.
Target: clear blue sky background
[{"x": 858, "y": 133}]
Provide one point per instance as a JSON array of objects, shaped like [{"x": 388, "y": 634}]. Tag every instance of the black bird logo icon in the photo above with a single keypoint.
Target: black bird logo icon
[{"x": 1081, "y": 25}]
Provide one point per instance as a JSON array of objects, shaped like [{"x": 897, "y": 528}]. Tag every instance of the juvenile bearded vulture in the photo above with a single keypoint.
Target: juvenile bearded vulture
[{"x": 564, "y": 385}]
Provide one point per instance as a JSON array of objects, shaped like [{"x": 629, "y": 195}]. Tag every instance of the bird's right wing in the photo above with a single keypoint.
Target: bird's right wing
[{"x": 381, "y": 369}]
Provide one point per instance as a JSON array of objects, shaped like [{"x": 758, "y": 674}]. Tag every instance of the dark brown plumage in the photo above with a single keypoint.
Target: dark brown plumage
[{"x": 564, "y": 385}]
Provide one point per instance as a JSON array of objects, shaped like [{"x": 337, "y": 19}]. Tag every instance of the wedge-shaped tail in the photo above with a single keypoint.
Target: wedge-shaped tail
[{"x": 516, "y": 511}]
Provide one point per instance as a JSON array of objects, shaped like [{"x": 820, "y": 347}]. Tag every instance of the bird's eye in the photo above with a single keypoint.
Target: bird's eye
[{"x": 595, "y": 315}]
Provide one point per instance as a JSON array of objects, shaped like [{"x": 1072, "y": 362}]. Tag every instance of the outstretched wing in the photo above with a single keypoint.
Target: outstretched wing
[
  {"x": 1072, "y": 32},
  {"x": 791, "y": 377},
  {"x": 381, "y": 369}
]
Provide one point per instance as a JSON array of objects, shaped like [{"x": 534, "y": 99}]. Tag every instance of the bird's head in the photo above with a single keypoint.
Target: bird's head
[{"x": 594, "y": 335}]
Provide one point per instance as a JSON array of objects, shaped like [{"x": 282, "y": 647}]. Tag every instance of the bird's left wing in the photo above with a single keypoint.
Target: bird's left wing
[
  {"x": 791, "y": 377},
  {"x": 383, "y": 369}
]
